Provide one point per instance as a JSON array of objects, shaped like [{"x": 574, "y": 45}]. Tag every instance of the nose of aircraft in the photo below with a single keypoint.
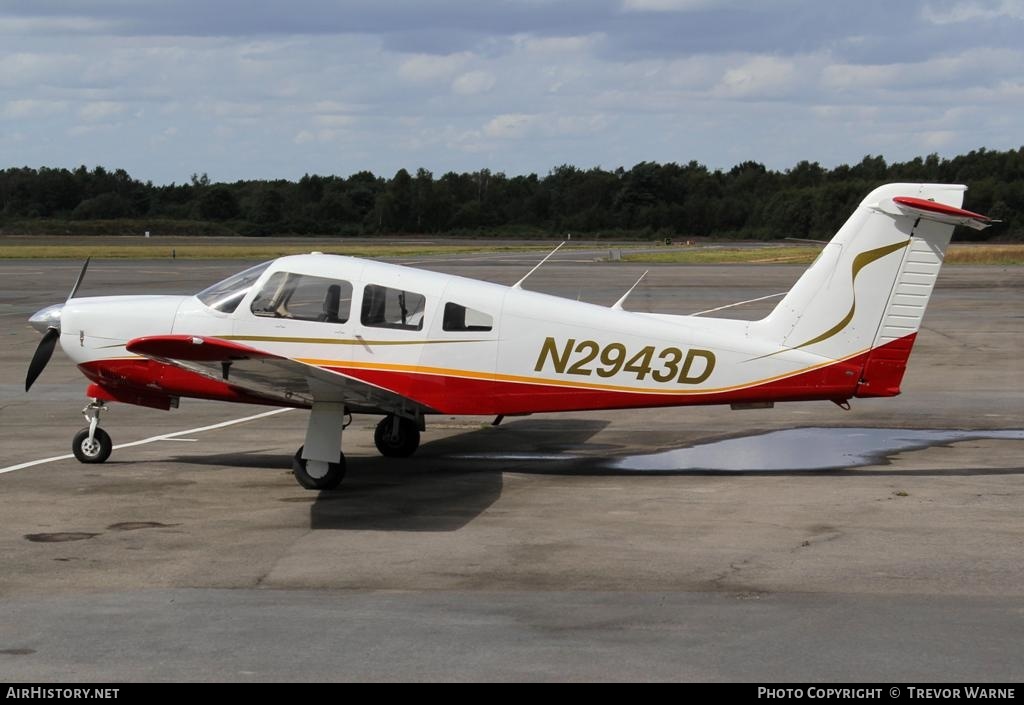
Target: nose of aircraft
[
  {"x": 45, "y": 318},
  {"x": 47, "y": 322}
]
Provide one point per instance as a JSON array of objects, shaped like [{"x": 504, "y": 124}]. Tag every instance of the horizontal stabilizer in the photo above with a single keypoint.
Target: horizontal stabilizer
[{"x": 942, "y": 213}]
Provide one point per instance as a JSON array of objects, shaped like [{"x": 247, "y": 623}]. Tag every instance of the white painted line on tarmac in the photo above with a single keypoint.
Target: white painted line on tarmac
[{"x": 153, "y": 439}]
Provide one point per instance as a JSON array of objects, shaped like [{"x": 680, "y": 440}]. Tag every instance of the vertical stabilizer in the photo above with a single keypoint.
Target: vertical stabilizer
[{"x": 869, "y": 288}]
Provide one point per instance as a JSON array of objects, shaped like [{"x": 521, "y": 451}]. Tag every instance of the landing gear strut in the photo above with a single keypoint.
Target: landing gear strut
[
  {"x": 92, "y": 444},
  {"x": 319, "y": 464},
  {"x": 397, "y": 437}
]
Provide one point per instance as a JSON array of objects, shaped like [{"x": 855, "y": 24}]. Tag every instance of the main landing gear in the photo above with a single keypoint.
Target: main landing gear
[
  {"x": 92, "y": 444},
  {"x": 317, "y": 474},
  {"x": 320, "y": 465},
  {"x": 397, "y": 437}
]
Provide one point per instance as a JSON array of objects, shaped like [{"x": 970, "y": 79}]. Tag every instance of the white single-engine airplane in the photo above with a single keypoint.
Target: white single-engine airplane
[{"x": 339, "y": 335}]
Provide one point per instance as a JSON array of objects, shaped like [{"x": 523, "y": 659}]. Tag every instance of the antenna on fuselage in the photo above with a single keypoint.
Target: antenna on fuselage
[
  {"x": 519, "y": 284},
  {"x": 739, "y": 303},
  {"x": 617, "y": 306}
]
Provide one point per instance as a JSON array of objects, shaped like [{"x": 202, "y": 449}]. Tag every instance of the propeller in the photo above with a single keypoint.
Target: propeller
[
  {"x": 50, "y": 318},
  {"x": 78, "y": 282},
  {"x": 42, "y": 356}
]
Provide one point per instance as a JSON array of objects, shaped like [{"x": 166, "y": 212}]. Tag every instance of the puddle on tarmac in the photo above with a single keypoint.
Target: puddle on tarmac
[
  {"x": 516, "y": 456},
  {"x": 801, "y": 449}
]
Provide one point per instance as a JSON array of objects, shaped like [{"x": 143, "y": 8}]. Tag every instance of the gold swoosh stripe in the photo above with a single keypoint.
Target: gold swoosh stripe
[
  {"x": 324, "y": 341},
  {"x": 859, "y": 262},
  {"x": 339, "y": 341},
  {"x": 548, "y": 382}
]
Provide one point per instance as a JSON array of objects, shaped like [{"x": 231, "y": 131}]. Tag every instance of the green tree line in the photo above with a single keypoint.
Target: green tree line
[{"x": 647, "y": 200}]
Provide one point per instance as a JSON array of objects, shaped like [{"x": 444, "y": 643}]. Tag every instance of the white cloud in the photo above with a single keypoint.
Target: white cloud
[
  {"x": 936, "y": 139},
  {"x": 165, "y": 134},
  {"x": 559, "y": 45},
  {"x": 100, "y": 110},
  {"x": 82, "y": 130},
  {"x": 578, "y": 125},
  {"x": 473, "y": 83},
  {"x": 523, "y": 86},
  {"x": 324, "y": 135},
  {"x": 332, "y": 106},
  {"x": 30, "y": 108},
  {"x": 518, "y": 125},
  {"x": 761, "y": 76},
  {"x": 55, "y": 25},
  {"x": 32, "y": 68},
  {"x": 429, "y": 67},
  {"x": 969, "y": 69},
  {"x": 970, "y": 11},
  {"x": 233, "y": 109},
  {"x": 667, "y": 5},
  {"x": 510, "y": 126},
  {"x": 334, "y": 121}
]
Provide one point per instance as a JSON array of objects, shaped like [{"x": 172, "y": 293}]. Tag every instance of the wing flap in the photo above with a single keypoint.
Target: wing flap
[{"x": 268, "y": 375}]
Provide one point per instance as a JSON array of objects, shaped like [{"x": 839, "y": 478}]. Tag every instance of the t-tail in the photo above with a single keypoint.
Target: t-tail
[{"x": 865, "y": 296}]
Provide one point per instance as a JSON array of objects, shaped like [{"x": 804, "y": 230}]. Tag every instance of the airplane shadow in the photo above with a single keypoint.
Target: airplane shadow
[
  {"x": 452, "y": 480},
  {"x": 436, "y": 490}
]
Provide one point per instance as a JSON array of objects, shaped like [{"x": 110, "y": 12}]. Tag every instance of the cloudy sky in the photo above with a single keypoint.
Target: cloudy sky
[{"x": 251, "y": 89}]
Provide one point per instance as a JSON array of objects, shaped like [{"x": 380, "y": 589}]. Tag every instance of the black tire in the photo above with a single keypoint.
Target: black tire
[
  {"x": 404, "y": 445},
  {"x": 335, "y": 473},
  {"x": 97, "y": 451}
]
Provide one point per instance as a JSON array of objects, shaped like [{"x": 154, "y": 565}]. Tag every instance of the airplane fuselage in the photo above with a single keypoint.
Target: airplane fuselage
[{"x": 533, "y": 353}]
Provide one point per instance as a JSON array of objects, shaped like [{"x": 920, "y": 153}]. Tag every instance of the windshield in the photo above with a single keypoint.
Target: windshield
[{"x": 225, "y": 295}]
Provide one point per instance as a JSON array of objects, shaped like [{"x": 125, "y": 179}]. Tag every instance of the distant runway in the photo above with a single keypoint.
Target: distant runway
[{"x": 527, "y": 551}]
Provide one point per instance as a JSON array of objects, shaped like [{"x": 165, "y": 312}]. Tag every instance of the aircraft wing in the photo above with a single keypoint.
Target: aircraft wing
[{"x": 268, "y": 375}]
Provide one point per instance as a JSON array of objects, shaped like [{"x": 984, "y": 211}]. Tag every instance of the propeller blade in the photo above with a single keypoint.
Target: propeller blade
[
  {"x": 78, "y": 282},
  {"x": 42, "y": 356}
]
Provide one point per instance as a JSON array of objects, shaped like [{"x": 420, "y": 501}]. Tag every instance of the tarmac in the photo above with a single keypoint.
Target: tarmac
[{"x": 534, "y": 550}]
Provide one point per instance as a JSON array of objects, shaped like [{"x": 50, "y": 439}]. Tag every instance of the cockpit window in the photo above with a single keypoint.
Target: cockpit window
[
  {"x": 304, "y": 297},
  {"x": 225, "y": 295}
]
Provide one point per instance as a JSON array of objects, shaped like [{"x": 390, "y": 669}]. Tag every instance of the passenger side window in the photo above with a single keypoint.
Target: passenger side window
[
  {"x": 462, "y": 318},
  {"x": 384, "y": 307},
  {"x": 303, "y": 297}
]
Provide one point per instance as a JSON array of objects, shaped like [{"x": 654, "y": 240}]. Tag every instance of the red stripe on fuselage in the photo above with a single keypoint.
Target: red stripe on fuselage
[
  {"x": 458, "y": 395},
  {"x": 874, "y": 373}
]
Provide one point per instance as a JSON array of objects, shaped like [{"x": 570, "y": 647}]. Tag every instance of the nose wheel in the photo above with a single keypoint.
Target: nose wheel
[
  {"x": 92, "y": 450},
  {"x": 92, "y": 444}
]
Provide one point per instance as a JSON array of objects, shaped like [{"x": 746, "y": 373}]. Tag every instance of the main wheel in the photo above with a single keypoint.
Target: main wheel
[
  {"x": 95, "y": 451},
  {"x": 330, "y": 478},
  {"x": 396, "y": 437}
]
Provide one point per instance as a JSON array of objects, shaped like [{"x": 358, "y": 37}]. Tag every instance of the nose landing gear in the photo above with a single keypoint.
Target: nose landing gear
[{"x": 92, "y": 444}]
